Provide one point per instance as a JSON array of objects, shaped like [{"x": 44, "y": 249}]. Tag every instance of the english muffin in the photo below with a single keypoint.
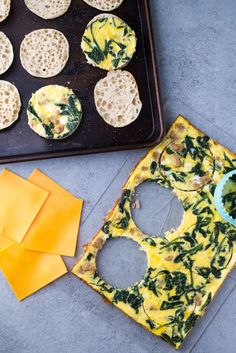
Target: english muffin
[
  {"x": 117, "y": 98},
  {"x": 44, "y": 52},
  {"x": 10, "y": 104}
]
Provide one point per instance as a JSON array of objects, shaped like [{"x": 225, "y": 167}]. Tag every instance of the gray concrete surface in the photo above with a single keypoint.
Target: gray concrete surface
[{"x": 196, "y": 46}]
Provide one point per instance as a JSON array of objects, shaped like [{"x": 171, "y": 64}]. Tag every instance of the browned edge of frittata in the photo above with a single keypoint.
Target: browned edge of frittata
[{"x": 87, "y": 246}]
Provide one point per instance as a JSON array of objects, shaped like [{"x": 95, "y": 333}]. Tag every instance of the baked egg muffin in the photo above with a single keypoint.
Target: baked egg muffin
[
  {"x": 108, "y": 42},
  {"x": 54, "y": 112}
]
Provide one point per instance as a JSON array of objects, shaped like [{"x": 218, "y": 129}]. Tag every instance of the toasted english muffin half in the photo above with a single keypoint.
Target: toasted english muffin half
[
  {"x": 117, "y": 98},
  {"x": 5, "y": 6},
  {"x": 44, "y": 52},
  {"x": 6, "y": 53},
  {"x": 108, "y": 42},
  {"x": 54, "y": 112},
  {"x": 10, "y": 104},
  {"x": 104, "y": 5},
  {"x": 48, "y": 9}
]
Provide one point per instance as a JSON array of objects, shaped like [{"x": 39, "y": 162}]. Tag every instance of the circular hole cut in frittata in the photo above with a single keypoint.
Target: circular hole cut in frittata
[
  {"x": 54, "y": 112},
  {"x": 187, "y": 162},
  {"x": 156, "y": 210},
  {"x": 108, "y": 42},
  {"x": 121, "y": 263},
  {"x": 229, "y": 196}
]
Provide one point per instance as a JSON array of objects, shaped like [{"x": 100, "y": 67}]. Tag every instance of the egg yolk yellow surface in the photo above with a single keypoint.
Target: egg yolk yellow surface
[
  {"x": 54, "y": 112},
  {"x": 187, "y": 266},
  {"x": 109, "y": 43}
]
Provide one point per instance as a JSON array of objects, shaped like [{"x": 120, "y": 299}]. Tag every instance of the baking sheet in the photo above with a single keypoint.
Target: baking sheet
[{"x": 19, "y": 143}]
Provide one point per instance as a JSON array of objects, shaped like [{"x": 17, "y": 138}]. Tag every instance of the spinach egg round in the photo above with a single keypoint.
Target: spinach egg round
[
  {"x": 108, "y": 42},
  {"x": 54, "y": 112}
]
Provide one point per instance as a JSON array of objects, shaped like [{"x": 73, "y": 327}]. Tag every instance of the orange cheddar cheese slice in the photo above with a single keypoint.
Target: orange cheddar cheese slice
[
  {"x": 4, "y": 242},
  {"x": 28, "y": 271},
  {"x": 20, "y": 203},
  {"x": 42, "y": 180},
  {"x": 55, "y": 229}
]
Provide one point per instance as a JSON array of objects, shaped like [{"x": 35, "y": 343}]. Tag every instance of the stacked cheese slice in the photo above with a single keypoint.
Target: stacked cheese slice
[{"x": 39, "y": 222}]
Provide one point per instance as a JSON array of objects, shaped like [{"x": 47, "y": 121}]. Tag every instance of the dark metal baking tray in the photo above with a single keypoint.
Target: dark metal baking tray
[{"x": 19, "y": 142}]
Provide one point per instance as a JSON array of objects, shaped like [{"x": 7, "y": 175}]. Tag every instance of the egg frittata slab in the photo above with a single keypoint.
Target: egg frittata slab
[{"x": 187, "y": 266}]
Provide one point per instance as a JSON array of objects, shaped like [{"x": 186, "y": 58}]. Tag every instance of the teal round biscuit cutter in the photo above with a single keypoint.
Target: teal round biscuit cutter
[{"x": 218, "y": 196}]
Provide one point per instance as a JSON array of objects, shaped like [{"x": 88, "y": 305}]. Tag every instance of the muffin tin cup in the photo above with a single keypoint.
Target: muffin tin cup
[{"x": 218, "y": 196}]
